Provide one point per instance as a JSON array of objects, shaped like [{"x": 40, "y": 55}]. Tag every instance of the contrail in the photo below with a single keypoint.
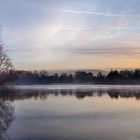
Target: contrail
[{"x": 98, "y": 13}]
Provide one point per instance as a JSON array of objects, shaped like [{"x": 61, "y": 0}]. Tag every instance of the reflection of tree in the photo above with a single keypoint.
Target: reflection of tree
[
  {"x": 21, "y": 94},
  {"x": 6, "y": 116},
  {"x": 119, "y": 93},
  {"x": 83, "y": 94}
]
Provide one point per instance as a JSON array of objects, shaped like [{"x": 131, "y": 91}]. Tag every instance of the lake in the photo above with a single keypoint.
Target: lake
[{"x": 70, "y": 112}]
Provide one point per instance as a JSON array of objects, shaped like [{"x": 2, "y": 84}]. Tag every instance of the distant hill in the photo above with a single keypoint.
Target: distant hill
[{"x": 94, "y": 71}]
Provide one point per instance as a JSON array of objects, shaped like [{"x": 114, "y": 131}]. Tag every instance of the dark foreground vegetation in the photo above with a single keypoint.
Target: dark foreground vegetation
[{"x": 79, "y": 77}]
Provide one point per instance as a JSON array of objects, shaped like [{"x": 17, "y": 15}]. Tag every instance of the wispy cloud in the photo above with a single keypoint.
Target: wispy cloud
[
  {"x": 95, "y": 29},
  {"x": 52, "y": 32},
  {"x": 118, "y": 51},
  {"x": 108, "y": 14}
]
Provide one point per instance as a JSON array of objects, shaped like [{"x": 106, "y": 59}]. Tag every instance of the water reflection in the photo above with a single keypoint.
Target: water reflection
[
  {"x": 6, "y": 117},
  {"x": 62, "y": 116},
  {"x": 21, "y": 94}
]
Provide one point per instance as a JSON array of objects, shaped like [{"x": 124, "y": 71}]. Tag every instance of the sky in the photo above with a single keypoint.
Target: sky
[{"x": 71, "y": 34}]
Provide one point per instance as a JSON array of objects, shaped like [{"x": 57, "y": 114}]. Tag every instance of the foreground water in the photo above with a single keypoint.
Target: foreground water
[{"x": 70, "y": 113}]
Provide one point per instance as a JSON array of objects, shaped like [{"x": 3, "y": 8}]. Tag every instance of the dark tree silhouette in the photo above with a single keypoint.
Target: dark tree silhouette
[
  {"x": 126, "y": 74},
  {"x": 82, "y": 76},
  {"x": 137, "y": 74},
  {"x": 113, "y": 77}
]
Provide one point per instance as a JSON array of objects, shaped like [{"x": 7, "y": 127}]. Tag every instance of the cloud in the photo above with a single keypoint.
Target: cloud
[
  {"x": 110, "y": 51},
  {"x": 108, "y": 14},
  {"x": 125, "y": 47},
  {"x": 119, "y": 51},
  {"x": 50, "y": 31}
]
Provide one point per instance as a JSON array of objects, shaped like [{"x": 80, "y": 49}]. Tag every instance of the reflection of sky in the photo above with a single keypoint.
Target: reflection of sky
[
  {"x": 52, "y": 32},
  {"x": 68, "y": 118}
]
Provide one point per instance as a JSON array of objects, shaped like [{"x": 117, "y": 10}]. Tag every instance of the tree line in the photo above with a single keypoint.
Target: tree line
[
  {"x": 8, "y": 75},
  {"x": 79, "y": 77}
]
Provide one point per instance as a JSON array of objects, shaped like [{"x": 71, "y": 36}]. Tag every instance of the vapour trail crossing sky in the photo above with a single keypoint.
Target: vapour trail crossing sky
[{"x": 71, "y": 34}]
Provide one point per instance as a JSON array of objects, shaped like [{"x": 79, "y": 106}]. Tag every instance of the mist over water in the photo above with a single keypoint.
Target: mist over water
[{"x": 71, "y": 112}]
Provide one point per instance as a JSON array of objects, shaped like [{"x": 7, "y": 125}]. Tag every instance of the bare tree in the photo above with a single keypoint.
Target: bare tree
[{"x": 5, "y": 62}]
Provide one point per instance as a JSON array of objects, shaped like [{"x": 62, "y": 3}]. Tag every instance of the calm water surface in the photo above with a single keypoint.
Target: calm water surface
[{"x": 70, "y": 113}]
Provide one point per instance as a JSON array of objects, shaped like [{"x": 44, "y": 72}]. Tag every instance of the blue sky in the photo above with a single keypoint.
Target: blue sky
[{"x": 71, "y": 34}]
